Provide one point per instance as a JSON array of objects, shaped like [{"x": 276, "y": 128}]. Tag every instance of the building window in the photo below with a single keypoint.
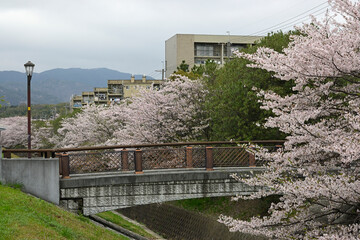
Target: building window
[
  {"x": 204, "y": 50},
  {"x": 77, "y": 104},
  {"x": 209, "y": 50},
  {"x": 102, "y": 96},
  {"x": 115, "y": 88},
  {"x": 234, "y": 47},
  {"x": 200, "y": 61}
]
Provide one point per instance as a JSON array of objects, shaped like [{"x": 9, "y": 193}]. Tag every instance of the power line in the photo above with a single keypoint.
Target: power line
[
  {"x": 293, "y": 18},
  {"x": 294, "y": 23},
  {"x": 285, "y": 23},
  {"x": 282, "y": 25}
]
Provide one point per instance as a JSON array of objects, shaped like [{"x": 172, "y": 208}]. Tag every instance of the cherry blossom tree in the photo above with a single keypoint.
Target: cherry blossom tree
[
  {"x": 172, "y": 113},
  {"x": 94, "y": 125},
  {"x": 15, "y": 133},
  {"x": 44, "y": 136},
  {"x": 317, "y": 172}
]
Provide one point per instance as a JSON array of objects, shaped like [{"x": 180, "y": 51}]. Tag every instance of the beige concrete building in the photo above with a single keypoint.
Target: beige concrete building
[
  {"x": 196, "y": 49},
  {"x": 87, "y": 98},
  {"x": 76, "y": 101},
  {"x": 120, "y": 89},
  {"x": 101, "y": 95},
  {"x": 114, "y": 92}
]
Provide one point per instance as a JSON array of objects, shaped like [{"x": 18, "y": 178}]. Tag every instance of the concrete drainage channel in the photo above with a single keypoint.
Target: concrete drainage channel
[
  {"x": 176, "y": 223},
  {"x": 123, "y": 231}
]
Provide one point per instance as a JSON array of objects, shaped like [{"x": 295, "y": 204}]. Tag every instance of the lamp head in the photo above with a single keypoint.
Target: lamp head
[{"x": 29, "y": 67}]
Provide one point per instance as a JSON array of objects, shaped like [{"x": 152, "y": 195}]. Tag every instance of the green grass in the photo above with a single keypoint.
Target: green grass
[
  {"x": 117, "y": 219},
  {"x": 26, "y": 217},
  {"x": 241, "y": 209}
]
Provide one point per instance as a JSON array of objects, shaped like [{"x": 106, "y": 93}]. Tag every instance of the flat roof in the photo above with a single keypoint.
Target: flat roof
[{"x": 206, "y": 38}]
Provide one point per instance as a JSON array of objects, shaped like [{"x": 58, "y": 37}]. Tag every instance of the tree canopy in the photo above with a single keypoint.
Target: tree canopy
[
  {"x": 316, "y": 173},
  {"x": 232, "y": 104}
]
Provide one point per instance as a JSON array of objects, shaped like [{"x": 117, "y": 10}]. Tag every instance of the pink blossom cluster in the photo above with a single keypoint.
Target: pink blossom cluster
[
  {"x": 317, "y": 172},
  {"x": 15, "y": 133},
  {"x": 172, "y": 113},
  {"x": 94, "y": 125}
]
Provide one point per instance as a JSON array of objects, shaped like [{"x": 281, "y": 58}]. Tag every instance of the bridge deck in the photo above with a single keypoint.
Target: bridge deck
[{"x": 128, "y": 177}]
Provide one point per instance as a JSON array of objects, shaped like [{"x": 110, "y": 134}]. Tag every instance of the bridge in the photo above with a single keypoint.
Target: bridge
[{"x": 98, "y": 179}]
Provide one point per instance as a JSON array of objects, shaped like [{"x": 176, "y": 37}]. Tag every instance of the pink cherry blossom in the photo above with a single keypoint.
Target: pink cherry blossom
[
  {"x": 316, "y": 173},
  {"x": 173, "y": 113}
]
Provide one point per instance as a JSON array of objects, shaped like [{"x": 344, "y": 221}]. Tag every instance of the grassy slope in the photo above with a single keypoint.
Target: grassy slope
[
  {"x": 25, "y": 217},
  {"x": 114, "y": 218}
]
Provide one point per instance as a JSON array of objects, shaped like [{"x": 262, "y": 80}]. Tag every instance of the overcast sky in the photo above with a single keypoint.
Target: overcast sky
[{"x": 128, "y": 36}]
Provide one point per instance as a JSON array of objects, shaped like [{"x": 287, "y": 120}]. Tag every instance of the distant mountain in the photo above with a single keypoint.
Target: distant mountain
[{"x": 56, "y": 85}]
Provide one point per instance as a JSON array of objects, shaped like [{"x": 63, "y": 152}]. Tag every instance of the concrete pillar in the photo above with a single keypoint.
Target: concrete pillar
[
  {"x": 222, "y": 53},
  {"x": 132, "y": 79},
  {"x": 144, "y": 78}
]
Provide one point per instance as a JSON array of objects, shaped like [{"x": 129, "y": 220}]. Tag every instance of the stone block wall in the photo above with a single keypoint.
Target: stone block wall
[{"x": 109, "y": 192}]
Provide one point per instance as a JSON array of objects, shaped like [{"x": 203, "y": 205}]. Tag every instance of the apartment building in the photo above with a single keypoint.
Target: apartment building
[
  {"x": 120, "y": 89},
  {"x": 116, "y": 91},
  {"x": 196, "y": 49}
]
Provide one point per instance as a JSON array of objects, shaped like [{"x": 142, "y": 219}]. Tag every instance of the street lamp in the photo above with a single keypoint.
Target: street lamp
[
  {"x": 29, "y": 67},
  {"x": 1, "y": 129}
]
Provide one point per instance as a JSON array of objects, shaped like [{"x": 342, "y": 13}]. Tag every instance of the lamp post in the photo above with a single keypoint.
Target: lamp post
[
  {"x": 29, "y": 67},
  {"x": 1, "y": 129}
]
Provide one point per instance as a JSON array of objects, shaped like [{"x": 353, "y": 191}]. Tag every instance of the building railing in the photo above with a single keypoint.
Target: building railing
[{"x": 137, "y": 158}]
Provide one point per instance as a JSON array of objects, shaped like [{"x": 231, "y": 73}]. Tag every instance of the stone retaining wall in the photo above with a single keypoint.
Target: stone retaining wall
[{"x": 109, "y": 192}]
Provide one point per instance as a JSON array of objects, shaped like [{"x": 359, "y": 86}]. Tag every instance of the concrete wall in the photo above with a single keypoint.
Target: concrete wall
[
  {"x": 39, "y": 176},
  {"x": 170, "y": 55},
  {"x": 94, "y": 194}
]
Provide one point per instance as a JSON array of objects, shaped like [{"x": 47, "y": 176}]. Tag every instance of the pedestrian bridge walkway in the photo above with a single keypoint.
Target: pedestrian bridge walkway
[
  {"x": 94, "y": 193},
  {"x": 97, "y": 179}
]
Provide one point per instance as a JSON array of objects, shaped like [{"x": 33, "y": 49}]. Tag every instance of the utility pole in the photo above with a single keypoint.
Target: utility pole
[
  {"x": 162, "y": 71},
  {"x": 228, "y": 46}
]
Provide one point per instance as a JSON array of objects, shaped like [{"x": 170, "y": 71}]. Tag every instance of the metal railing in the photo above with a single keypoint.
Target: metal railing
[{"x": 142, "y": 157}]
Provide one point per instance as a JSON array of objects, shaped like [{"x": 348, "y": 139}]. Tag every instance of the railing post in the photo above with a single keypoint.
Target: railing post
[
  {"x": 47, "y": 154},
  {"x": 124, "y": 160},
  {"x": 59, "y": 155},
  {"x": 65, "y": 165},
  {"x": 209, "y": 159},
  {"x": 251, "y": 159},
  {"x": 189, "y": 159},
  {"x": 138, "y": 161},
  {"x": 7, "y": 154}
]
